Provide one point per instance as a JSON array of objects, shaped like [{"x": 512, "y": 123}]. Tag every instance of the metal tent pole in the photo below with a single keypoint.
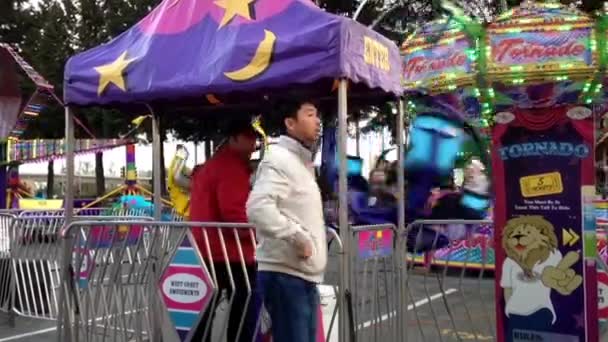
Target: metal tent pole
[
  {"x": 69, "y": 165},
  {"x": 156, "y": 327},
  {"x": 401, "y": 249},
  {"x": 358, "y": 137},
  {"x": 63, "y": 321},
  {"x": 343, "y": 325},
  {"x": 156, "y": 167}
]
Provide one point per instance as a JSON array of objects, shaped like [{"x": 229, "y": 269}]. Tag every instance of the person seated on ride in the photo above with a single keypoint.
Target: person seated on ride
[
  {"x": 470, "y": 203},
  {"x": 380, "y": 195},
  {"x": 363, "y": 202}
]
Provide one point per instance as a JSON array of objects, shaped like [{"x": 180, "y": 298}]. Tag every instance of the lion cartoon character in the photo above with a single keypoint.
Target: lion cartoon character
[{"x": 532, "y": 268}]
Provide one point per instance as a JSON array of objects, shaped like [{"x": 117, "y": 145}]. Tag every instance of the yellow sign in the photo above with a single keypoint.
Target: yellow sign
[
  {"x": 541, "y": 185},
  {"x": 37, "y": 204},
  {"x": 569, "y": 237},
  {"x": 376, "y": 54}
]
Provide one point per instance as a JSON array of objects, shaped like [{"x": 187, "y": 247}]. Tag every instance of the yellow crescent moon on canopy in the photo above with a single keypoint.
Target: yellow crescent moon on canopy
[{"x": 260, "y": 61}]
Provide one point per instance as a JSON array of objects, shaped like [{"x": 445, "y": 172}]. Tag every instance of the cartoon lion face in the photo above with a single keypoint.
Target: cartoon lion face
[{"x": 529, "y": 240}]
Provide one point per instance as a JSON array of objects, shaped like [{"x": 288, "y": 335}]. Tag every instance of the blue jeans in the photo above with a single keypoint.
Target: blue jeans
[{"x": 292, "y": 304}]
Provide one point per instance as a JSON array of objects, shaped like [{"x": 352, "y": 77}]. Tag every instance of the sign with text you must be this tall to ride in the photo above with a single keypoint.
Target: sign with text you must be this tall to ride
[{"x": 546, "y": 277}]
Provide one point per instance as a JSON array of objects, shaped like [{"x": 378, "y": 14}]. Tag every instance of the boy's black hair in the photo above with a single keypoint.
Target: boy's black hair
[{"x": 288, "y": 108}]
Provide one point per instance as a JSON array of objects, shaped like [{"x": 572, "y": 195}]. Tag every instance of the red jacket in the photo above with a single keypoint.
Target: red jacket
[{"x": 219, "y": 193}]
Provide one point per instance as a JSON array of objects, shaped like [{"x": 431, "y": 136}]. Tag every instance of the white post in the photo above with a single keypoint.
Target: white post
[
  {"x": 69, "y": 164},
  {"x": 402, "y": 270},
  {"x": 63, "y": 321},
  {"x": 358, "y": 137},
  {"x": 155, "y": 315},
  {"x": 343, "y": 324},
  {"x": 156, "y": 167}
]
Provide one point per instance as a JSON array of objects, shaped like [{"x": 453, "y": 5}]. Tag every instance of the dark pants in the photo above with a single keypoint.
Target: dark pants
[
  {"x": 238, "y": 309},
  {"x": 292, "y": 304},
  {"x": 538, "y": 321}
]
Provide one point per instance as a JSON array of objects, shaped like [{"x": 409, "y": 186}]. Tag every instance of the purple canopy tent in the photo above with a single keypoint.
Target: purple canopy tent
[
  {"x": 205, "y": 52},
  {"x": 187, "y": 49}
]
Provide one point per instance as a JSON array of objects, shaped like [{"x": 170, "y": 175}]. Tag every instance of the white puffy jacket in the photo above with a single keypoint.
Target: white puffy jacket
[{"x": 285, "y": 207}]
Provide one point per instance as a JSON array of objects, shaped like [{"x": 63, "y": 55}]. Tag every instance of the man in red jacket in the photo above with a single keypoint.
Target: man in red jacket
[{"x": 220, "y": 189}]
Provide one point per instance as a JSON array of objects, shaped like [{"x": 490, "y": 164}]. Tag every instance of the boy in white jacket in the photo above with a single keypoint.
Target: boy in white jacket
[{"x": 286, "y": 208}]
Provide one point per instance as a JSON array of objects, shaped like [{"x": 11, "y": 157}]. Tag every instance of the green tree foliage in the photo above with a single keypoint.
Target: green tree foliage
[
  {"x": 16, "y": 22},
  {"x": 99, "y": 21},
  {"x": 49, "y": 32}
]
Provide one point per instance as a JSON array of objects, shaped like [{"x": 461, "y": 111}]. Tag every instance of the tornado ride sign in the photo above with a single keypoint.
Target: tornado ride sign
[
  {"x": 186, "y": 288},
  {"x": 543, "y": 169}
]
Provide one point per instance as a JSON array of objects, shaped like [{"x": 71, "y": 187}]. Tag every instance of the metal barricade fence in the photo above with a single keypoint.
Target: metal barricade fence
[
  {"x": 444, "y": 304},
  {"x": 116, "y": 298},
  {"x": 6, "y": 220},
  {"x": 35, "y": 262},
  {"x": 374, "y": 304},
  {"x": 332, "y": 284},
  {"x": 29, "y": 263}
]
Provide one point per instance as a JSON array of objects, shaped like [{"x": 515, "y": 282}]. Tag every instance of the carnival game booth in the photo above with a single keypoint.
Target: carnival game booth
[
  {"x": 533, "y": 75},
  {"x": 214, "y": 59}
]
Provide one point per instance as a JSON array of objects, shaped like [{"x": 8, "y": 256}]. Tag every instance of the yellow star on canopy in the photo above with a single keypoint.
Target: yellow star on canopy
[
  {"x": 113, "y": 73},
  {"x": 234, "y": 8}
]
